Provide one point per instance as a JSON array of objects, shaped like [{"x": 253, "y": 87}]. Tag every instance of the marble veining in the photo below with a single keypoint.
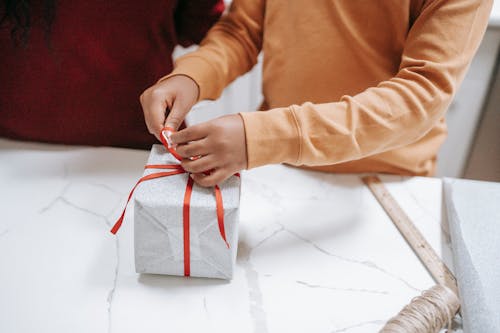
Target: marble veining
[
  {"x": 358, "y": 290},
  {"x": 366, "y": 263},
  {"x": 316, "y": 251},
  {"x": 359, "y": 325},
  {"x": 105, "y": 218},
  {"x": 257, "y": 311}
]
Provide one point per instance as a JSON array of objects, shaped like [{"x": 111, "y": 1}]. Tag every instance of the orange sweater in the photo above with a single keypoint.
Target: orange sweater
[{"x": 349, "y": 85}]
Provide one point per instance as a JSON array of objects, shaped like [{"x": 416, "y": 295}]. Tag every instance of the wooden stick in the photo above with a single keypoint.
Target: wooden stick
[{"x": 435, "y": 266}]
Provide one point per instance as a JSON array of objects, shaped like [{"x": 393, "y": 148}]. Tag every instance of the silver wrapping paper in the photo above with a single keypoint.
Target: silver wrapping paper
[
  {"x": 158, "y": 224},
  {"x": 473, "y": 210}
]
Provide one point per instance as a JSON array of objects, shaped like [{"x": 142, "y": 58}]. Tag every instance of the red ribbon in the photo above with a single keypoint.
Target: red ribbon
[{"x": 177, "y": 170}]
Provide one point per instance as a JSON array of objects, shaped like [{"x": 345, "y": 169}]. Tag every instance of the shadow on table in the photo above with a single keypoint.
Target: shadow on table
[{"x": 171, "y": 282}]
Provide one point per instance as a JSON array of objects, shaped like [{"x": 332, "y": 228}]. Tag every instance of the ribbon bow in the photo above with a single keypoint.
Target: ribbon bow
[{"x": 176, "y": 169}]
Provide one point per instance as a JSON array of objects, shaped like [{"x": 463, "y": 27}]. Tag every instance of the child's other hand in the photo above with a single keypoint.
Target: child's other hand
[
  {"x": 178, "y": 94},
  {"x": 221, "y": 144}
]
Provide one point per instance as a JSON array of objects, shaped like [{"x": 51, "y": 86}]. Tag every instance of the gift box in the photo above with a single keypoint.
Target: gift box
[{"x": 166, "y": 242}]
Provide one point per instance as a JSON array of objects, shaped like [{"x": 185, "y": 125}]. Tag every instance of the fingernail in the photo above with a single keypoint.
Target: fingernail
[{"x": 169, "y": 126}]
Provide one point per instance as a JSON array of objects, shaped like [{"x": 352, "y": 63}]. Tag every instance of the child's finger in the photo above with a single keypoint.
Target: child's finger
[
  {"x": 192, "y": 133},
  {"x": 200, "y": 165},
  {"x": 154, "y": 114},
  {"x": 194, "y": 148},
  {"x": 216, "y": 177},
  {"x": 176, "y": 116}
]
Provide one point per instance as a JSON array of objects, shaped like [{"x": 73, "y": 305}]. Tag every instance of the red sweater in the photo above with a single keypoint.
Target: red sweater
[{"x": 85, "y": 88}]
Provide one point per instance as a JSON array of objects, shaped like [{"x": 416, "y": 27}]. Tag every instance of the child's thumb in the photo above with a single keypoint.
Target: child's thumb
[{"x": 176, "y": 116}]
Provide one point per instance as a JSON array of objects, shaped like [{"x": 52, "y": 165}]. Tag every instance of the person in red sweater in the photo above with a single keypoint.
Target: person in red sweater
[{"x": 72, "y": 71}]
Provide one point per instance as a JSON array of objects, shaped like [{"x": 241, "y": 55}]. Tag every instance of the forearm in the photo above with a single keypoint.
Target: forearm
[
  {"x": 230, "y": 49},
  {"x": 395, "y": 113}
]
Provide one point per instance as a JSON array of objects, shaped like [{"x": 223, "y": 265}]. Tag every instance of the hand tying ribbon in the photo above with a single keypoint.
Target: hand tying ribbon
[{"x": 176, "y": 169}]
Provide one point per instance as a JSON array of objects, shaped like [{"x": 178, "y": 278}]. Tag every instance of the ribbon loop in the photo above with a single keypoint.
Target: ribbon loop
[{"x": 165, "y": 139}]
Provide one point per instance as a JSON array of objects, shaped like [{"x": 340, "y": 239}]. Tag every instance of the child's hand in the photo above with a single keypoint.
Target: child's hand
[
  {"x": 177, "y": 94},
  {"x": 221, "y": 144}
]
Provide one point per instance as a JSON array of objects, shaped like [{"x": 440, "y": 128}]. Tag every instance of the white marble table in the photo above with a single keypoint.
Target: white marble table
[{"x": 316, "y": 254}]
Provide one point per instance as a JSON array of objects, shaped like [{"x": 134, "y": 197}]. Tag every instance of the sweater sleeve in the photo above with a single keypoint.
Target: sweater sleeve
[
  {"x": 439, "y": 48},
  {"x": 229, "y": 50}
]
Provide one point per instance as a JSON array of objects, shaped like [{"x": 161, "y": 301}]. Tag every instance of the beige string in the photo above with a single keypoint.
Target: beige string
[{"x": 427, "y": 313}]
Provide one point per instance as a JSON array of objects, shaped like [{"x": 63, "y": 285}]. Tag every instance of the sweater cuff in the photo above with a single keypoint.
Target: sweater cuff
[
  {"x": 201, "y": 72},
  {"x": 272, "y": 137}
]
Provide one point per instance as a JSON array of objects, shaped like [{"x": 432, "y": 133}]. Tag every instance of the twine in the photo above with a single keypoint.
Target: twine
[{"x": 427, "y": 313}]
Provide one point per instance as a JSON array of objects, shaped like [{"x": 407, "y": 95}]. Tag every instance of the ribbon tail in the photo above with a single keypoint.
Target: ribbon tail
[
  {"x": 185, "y": 214},
  {"x": 119, "y": 222},
  {"x": 220, "y": 213}
]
